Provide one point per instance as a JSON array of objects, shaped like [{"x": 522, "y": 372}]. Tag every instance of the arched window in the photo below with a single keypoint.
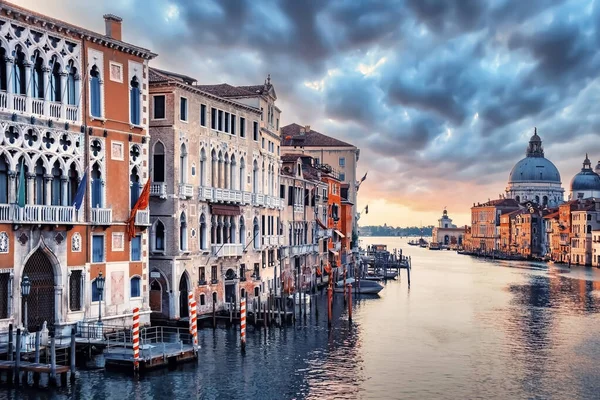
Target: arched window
[
  {"x": 159, "y": 236},
  {"x": 3, "y": 71},
  {"x": 23, "y": 170},
  {"x": 232, "y": 174},
  {"x": 213, "y": 169},
  {"x": 256, "y": 291},
  {"x": 182, "y": 232},
  {"x": 202, "y": 299},
  {"x": 255, "y": 234},
  {"x": 537, "y": 199},
  {"x": 40, "y": 187},
  {"x": 232, "y": 234},
  {"x": 545, "y": 200},
  {"x": 19, "y": 84},
  {"x": 220, "y": 170},
  {"x": 134, "y": 101},
  {"x": 135, "y": 286},
  {"x": 255, "y": 178},
  {"x": 262, "y": 178},
  {"x": 56, "y": 185},
  {"x": 242, "y": 174},
  {"x": 3, "y": 178},
  {"x": 72, "y": 95},
  {"x": 158, "y": 162},
  {"x": 202, "y": 235},
  {"x": 226, "y": 166},
  {"x": 242, "y": 232},
  {"x": 202, "y": 168},
  {"x": 134, "y": 186},
  {"x": 95, "y": 99},
  {"x": 213, "y": 230},
  {"x": 183, "y": 164},
  {"x": 518, "y": 198},
  {"x": 73, "y": 184},
  {"x": 97, "y": 200},
  {"x": 55, "y": 86},
  {"x": 38, "y": 75},
  {"x": 589, "y": 229}
]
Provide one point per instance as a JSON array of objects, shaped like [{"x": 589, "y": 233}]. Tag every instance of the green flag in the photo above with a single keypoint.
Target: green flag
[{"x": 21, "y": 188}]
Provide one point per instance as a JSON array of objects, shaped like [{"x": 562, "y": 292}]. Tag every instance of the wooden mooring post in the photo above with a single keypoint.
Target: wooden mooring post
[
  {"x": 214, "y": 314},
  {"x": 72, "y": 359},
  {"x": 18, "y": 357},
  {"x": 243, "y": 324}
]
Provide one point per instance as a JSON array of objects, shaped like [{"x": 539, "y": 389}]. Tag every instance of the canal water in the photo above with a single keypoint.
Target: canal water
[{"x": 466, "y": 328}]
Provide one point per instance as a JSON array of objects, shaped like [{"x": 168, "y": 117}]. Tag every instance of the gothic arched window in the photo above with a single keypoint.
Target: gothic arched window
[
  {"x": 134, "y": 184},
  {"x": 182, "y": 232},
  {"x": 256, "y": 234},
  {"x": 19, "y": 84},
  {"x": 158, "y": 162},
  {"x": 56, "y": 185},
  {"x": 95, "y": 97},
  {"x": 3, "y": 180},
  {"x": 3, "y": 71},
  {"x": 72, "y": 95},
  {"x": 38, "y": 76},
  {"x": 96, "y": 187},
  {"x": 159, "y": 236},
  {"x": 134, "y": 101},
  {"x": 40, "y": 187},
  {"x": 55, "y": 86},
  {"x": 202, "y": 236}
]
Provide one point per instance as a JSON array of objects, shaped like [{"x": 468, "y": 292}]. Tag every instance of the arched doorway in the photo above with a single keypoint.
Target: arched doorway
[
  {"x": 159, "y": 295},
  {"x": 230, "y": 286},
  {"x": 183, "y": 296},
  {"x": 446, "y": 240},
  {"x": 40, "y": 303}
]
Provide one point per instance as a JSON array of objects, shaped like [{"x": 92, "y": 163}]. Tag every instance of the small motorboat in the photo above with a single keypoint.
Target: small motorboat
[
  {"x": 373, "y": 277},
  {"x": 390, "y": 274},
  {"x": 434, "y": 246},
  {"x": 363, "y": 287}
]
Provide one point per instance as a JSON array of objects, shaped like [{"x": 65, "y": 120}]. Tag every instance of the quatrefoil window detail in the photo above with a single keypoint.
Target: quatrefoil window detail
[
  {"x": 31, "y": 137},
  {"x": 134, "y": 153},
  {"x": 96, "y": 148},
  {"x": 65, "y": 142},
  {"x": 12, "y": 135},
  {"x": 48, "y": 140}
]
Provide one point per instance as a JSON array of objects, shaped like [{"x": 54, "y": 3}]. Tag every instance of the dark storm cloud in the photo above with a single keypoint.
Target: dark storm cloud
[{"x": 455, "y": 85}]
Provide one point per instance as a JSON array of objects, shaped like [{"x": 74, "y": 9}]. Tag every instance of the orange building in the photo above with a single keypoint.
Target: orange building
[
  {"x": 485, "y": 223},
  {"x": 77, "y": 109},
  {"x": 334, "y": 220},
  {"x": 346, "y": 227}
]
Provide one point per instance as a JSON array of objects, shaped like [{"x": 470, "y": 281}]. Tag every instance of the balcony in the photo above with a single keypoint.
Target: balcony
[
  {"x": 11, "y": 102},
  {"x": 272, "y": 240},
  {"x": 227, "y": 195},
  {"x": 303, "y": 249},
  {"x": 38, "y": 214},
  {"x": 258, "y": 199},
  {"x": 324, "y": 233},
  {"x": 186, "y": 191},
  {"x": 101, "y": 216},
  {"x": 227, "y": 250},
  {"x": 158, "y": 189},
  {"x": 205, "y": 193},
  {"x": 142, "y": 217}
]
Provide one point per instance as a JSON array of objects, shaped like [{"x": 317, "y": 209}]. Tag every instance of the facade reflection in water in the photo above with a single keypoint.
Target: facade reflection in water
[{"x": 467, "y": 328}]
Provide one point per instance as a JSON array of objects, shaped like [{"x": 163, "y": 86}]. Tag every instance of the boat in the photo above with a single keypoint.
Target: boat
[
  {"x": 423, "y": 243},
  {"x": 363, "y": 287},
  {"x": 434, "y": 246},
  {"x": 413, "y": 243},
  {"x": 373, "y": 277}
]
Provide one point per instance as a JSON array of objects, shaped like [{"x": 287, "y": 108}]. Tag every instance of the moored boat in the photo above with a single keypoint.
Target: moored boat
[
  {"x": 364, "y": 287},
  {"x": 434, "y": 246}
]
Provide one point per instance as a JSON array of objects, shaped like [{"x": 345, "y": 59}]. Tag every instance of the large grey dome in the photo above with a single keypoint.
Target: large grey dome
[
  {"x": 534, "y": 169},
  {"x": 587, "y": 179}
]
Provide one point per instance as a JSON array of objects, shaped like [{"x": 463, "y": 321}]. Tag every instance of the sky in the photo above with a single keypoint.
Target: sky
[{"x": 440, "y": 96}]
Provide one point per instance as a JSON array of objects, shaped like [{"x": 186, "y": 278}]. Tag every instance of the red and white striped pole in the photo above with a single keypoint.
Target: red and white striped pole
[
  {"x": 193, "y": 319},
  {"x": 243, "y": 323},
  {"x": 136, "y": 338}
]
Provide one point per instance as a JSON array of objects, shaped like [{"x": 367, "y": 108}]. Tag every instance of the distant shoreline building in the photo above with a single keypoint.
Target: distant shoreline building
[{"x": 446, "y": 233}]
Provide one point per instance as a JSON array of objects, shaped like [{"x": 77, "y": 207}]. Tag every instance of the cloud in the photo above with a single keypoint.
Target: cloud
[{"x": 441, "y": 96}]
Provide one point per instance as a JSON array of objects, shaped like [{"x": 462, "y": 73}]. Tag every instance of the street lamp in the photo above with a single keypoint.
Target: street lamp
[
  {"x": 25, "y": 289},
  {"x": 100, "y": 286}
]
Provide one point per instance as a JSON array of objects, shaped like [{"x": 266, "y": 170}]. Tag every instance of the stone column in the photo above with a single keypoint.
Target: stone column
[
  {"x": 48, "y": 189},
  {"x": 9, "y": 82},
  {"x": 64, "y": 180},
  {"x": 30, "y": 178},
  {"x": 28, "y": 87},
  {"x": 12, "y": 187},
  {"x": 63, "y": 95}
]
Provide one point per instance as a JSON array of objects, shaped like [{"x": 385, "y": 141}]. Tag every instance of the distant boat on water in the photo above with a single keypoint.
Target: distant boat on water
[{"x": 365, "y": 287}]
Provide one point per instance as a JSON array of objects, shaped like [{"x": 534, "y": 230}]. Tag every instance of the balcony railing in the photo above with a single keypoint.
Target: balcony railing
[
  {"x": 227, "y": 250},
  {"x": 303, "y": 249},
  {"x": 38, "y": 214},
  {"x": 42, "y": 107},
  {"x": 142, "y": 217},
  {"x": 324, "y": 233},
  {"x": 186, "y": 190},
  {"x": 298, "y": 208},
  {"x": 101, "y": 216},
  {"x": 258, "y": 199},
  {"x": 158, "y": 189}
]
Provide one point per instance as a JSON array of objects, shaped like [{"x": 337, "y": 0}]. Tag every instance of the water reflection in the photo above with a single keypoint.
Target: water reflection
[{"x": 467, "y": 328}]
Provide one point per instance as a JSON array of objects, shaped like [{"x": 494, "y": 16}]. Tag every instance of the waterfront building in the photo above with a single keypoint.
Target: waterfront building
[
  {"x": 72, "y": 110},
  {"x": 214, "y": 208},
  {"x": 596, "y": 248},
  {"x": 334, "y": 216},
  {"x": 550, "y": 225},
  {"x": 526, "y": 232},
  {"x": 586, "y": 183},
  {"x": 342, "y": 157},
  {"x": 585, "y": 219},
  {"x": 304, "y": 249},
  {"x": 506, "y": 239},
  {"x": 446, "y": 233},
  {"x": 535, "y": 178},
  {"x": 485, "y": 223},
  {"x": 347, "y": 219}
]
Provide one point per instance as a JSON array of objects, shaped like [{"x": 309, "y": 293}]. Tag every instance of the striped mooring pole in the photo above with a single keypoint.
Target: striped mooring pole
[
  {"x": 136, "y": 338},
  {"x": 243, "y": 323},
  {"x": 193, "y": 319}
]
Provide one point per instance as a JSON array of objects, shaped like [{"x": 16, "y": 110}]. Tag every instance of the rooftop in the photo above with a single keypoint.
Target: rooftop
[{"x": 297, "y": 135}]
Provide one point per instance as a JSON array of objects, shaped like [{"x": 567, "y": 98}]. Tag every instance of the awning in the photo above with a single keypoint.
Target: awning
[
  {"x": 322, "y": 225},
  {"x": 221, "y": 209},
  {"x": 335, "y": 253},
  {"x": 340, "y": 234}
]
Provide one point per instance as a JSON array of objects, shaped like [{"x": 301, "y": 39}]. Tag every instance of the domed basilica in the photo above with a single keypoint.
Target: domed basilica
[
  {"x": 586, "y": 184},
  {"x": 535, "y": 178}
]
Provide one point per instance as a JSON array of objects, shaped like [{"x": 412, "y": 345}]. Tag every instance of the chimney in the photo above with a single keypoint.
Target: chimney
[
  {"x": 113, "y": 26},
  {"x": 307, "y": 128}
]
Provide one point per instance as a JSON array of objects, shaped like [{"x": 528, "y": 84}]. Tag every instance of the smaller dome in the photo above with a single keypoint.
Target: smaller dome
[
  {"x": 535, "y": 137},
  {"x": 587, "y": 179}
]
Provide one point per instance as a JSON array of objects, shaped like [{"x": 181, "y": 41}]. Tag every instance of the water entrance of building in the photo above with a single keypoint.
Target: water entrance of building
[
  {"x": 183, "y": 296},
  {"x": 41, "y": 302},
  {"x": 230, "y": 286}
]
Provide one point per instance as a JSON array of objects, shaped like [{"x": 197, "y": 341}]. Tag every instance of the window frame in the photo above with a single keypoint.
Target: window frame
[
  {"x": 103, "y": 248},
  {"x": 342, "y": 161},
  {"x": 139, "y": 280},
  {"x": 255, "y": 130},
  {"x": 203, "y": 109},
  {"x": 154, "y": 96},
  {"x": 136, "y": 237},
  {"x": 181, "y": 103}
]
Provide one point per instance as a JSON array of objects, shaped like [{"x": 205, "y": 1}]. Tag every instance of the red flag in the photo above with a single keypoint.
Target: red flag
[{"x": 140, "y": 204}]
